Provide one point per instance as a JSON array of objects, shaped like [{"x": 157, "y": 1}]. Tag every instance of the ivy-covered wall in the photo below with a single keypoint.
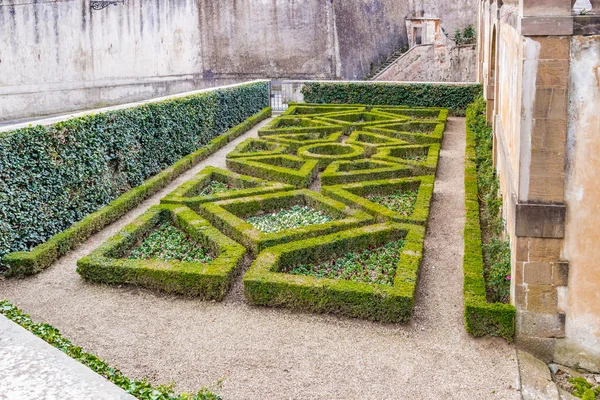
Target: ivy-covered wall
[
  {"x": 455, "y": 97},
  {"x": 53, "y": 176}
]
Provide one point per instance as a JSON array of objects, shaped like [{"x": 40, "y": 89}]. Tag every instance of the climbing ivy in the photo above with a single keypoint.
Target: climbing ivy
[{"x": 53, "y": 176}]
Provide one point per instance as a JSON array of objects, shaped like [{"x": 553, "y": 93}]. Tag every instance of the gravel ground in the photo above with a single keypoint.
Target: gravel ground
[{"x": 277, "y": 354}]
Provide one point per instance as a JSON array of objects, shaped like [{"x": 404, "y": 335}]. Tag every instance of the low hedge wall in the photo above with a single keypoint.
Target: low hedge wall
[
  {"x": 296, "y": 140},
  {"x": 481, "y": 318},
  {"x": 209, "y": 281},
  {"x": 283, "y": 168},
  {"x": 326, "y": 153},
  {"x": 265, "y": 285},
  {"x": 428, "y": 114},
  {"x": 229, "y": 216},
  {"x": 452, "y": 96},
  {"x": 188, "y": 193},
  {"x": 341, "y": 172},
  {"x": 401, "y": 154},
  {"x": 353, "y": 195},
  {"x": 371, "y": 142},
  {"x": 38, "y": 139},
  {"x": 140, "y": 389},
  {"x": 252, "y": 147}
]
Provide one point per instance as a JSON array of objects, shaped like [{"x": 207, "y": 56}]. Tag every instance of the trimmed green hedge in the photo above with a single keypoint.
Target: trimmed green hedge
[
  {"x": 296, "y": 140},
  {"x": 52, "y": 177},
  {"x": 264, "y": 285},
  {"x": 455, "y": 97},
  {"x": 41, "y": 256},
  {"x": 371, "y": 142},
  {"x": 481, "y": 318},
  {"x": 229, "y": 216},
  {"x": 140, "y": 389},
  {"x": 209, "y": 281},
  {"x": 400, "y": 155},
  {"x": 188, "y": 193},
  {"x": 302, "y": 109},
  {"x": 282, "y": 168},
  {"x": 326, "y": 153},
  {"x": 257, "y": 147},
  {"x": 429, "y": 114},
  {"x": 415, "y": 132},
  {"x": 353, "y": 195},
  {"x": 341, "y": 172}
]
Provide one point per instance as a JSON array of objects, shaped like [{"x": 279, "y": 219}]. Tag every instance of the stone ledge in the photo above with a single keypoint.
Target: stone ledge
[
  {"x": 586, "y": 25},
  {"x": 547, "y": 26},
  {"x": 536, "y": 380},
  {"x": 540, "y": 220}
]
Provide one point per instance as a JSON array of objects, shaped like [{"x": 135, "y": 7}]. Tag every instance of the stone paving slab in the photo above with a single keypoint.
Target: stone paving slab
[{"x": 32, "y": 369}]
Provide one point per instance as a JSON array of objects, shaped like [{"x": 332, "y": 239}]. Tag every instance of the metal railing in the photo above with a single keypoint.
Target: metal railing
[{"x": 285, "y": 92}]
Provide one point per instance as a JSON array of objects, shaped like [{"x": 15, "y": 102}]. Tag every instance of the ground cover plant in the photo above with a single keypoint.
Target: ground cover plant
[
  {"x": 422, "y": 158},
  {"x": 171, "y": 249},
  {"x": 293, "y": 217},
  {"x": 481, "y": 316},
  {"x": 372, "y": 265},
  {"x": 139, "y": 388},
  {"x": 56, "y": 181},
  {"x": 402, "y": 202}
]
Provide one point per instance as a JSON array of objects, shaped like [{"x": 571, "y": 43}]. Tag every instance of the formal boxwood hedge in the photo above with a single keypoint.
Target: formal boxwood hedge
[
  {"x": 451, "y": 96},
  {"x": 140, "y": 389},
  {"x": 326, "y": 153},
  {"x": 371, "y": 142},
  {"x": 356, "y": 120},
  {"x": 58, "y": 177},
  {"x": 428, "y": 114},
  {"x": 296, "y": 140},
  {"x": 304, "y": 109},
  {"x": 341, "y": 172},
  {"x": 415, "y": 132},
  {"x": 481, "y": 318},
  {"x": 242, "y": 185},
  {"x": 354, "y": 195},
  {"x": 209, "y": 281},
  {"x": 265, "y": 285},
  {"x": 402, "y": 154},
  {"x": 256, "y": 147},
  {"x": 230, "y": 217},
  {"x": 282, "y": 168}
]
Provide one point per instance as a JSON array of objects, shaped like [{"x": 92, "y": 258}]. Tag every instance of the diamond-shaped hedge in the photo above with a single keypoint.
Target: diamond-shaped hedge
[
  {"x": 266, "y": 284},
  {"x": 282, "y": 168},
  {"x": 371, "y": 142},
  {"x": 110, "y": 263},
  {"x": 341, "y": 172},
  {"x": 423, "y": 159},
  {"x": 401, "y": 200},
  {"x": 213, "y": 184},
  {"x": 256, "y": 147},
  {"x": 415, "y": 132},
  {"x": 296, "y": 140},
  {"x": 231, "y": 216}
]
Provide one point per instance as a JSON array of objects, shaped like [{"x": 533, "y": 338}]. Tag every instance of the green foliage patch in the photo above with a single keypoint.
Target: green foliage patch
[
  {"x": 326, "y": 153},
  {"x": 341, "y": 172},
  {"x": 481, "y": 317},
  {"x": 139, "y": 388},
  {"x": 296, "y": 140},
  {"x": 423, "y": 159},
  {"x": 257, "y": 147},
  {"x": 455, "y": 97},
  {"x": 207, "y": 278},
  {"x": 294, "y": 217},
  {"x": 282, "y": 168},
  {"x": 56, "y": 178}
]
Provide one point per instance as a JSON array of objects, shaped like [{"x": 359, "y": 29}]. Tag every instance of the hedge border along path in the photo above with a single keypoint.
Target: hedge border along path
[
  {"x": 229, "y": 217},
  {"x": 429, "y": 166},
  {"x": 481, "y": 318},
  {"x": 208, "y": 281},
  {"x": 244, "y": 149},
  {"x": 455, "y": 97},
  {"x": 43, "y": 255},
  {"x": 245, "y": 185},
  {"x": 264, "y": 285},
  {"x": 274, "y": 168},
  {"x": 353, "y": 195}
]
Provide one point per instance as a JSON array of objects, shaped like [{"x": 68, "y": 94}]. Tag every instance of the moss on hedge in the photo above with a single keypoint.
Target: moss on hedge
[
  {"x": 211, "y": 281},
  {"x": 264, "y": 285},
  {"x": 43, "y": 255}
]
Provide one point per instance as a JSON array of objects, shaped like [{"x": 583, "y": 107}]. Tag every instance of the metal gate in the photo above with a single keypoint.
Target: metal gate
[{"x": 285, "y": 92}]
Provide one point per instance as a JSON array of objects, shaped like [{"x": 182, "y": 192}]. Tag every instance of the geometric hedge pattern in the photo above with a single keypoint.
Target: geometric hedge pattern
[{"x": 374, "y": 167}]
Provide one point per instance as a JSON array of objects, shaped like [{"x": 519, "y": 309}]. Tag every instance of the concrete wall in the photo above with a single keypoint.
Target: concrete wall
[
  {"x": 59, "y": 56},
  {"x": 433, "y": 63},
  {"x": 582, "y": 195}
]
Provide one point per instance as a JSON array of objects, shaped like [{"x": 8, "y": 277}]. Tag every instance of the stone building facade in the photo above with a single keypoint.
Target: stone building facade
[{"x": 539, "y": 62}]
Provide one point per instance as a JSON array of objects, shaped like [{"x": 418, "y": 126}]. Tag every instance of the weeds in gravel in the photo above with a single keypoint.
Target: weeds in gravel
[
  {"x": 294, "y": 217},
  {"x": 402, "y": 202},
  {"x": 168, "y": 243},
  {"x": 141, "y": 389},
  {"x": 374, "y": 265}
]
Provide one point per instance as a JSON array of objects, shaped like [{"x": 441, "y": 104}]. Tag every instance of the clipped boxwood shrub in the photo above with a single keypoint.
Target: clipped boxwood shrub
[
  {"x": 451, "y": 96},
  {"x": 266, "y": 285},
  {"x": 356, "y": 120},
  {"x": 341, "y": 172},
  {"x": 481, "y": 318},
  {"x": 429, "y": 114},
  {"x": 301, "y": 109},
  {"x": 296, "y": 140},
  {"x": 55, "y": 178},
  {"x": 282, "y": 168},
  {"x": 256, "y": 147},
  {"x": 360, "y": 195},
  {"x": 326, "y": 153},
  {"x": 210, "y": 281},
  {"x": 230, "y": 216},
  {"x": 423, "y": 159},
  {"x": 230, "y": 185},
  {"x": 371, "y": 142}
]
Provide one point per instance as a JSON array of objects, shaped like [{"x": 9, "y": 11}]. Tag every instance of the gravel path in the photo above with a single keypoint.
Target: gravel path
[{"x": 276, "y": 354}]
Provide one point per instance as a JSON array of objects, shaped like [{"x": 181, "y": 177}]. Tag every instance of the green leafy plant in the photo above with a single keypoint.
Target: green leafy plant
[
  {"x": 584, "y": 389},
  {"x": 294, "y": 217},
  {"x": 373, "y": 265},
  {"x": 402, "y": 202},
  {"x": 141, "y": 389},
  {"x": 215, "y": 187},
  {"x": 465, "y": 36}
]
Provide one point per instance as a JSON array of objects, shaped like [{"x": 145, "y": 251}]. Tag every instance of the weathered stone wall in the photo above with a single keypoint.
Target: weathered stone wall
[
  {"x": 582, "y": 195},
  {"x": 433, "y": 63}
]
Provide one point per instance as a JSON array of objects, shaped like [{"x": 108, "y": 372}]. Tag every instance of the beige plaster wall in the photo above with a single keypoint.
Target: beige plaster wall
[{"x": 582, "y": 193}]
